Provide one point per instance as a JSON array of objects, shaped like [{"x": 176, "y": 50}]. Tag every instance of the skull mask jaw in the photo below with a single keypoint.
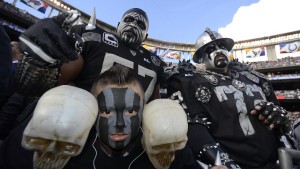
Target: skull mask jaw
[
  {"x": 51, "y": 159},
  {"x": 165, "y": 131},
  {"x": 60, "y": 126}
]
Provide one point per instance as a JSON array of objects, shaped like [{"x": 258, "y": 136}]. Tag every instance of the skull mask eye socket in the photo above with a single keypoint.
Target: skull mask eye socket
[
  {"x": 59, "y": 147},
  {"x": 172, "y": 146},
  {"x": 36, "y": 143}
]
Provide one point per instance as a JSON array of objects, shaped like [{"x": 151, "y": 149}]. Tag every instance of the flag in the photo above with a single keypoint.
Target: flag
[
  {"x": 255, "y": 52},
  {"x": 231, "y": 55},
  {"x": 36, "y": 4},
  {"x": 290, "y": 47},
  {"x": 173, "y": 55},
  {"x": 151, "y": 49}
]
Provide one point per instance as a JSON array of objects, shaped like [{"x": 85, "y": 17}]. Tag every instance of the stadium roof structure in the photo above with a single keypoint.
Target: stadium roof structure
[
  {"x": 263, "y": 41},
  {"x": 185, "y": 47}
]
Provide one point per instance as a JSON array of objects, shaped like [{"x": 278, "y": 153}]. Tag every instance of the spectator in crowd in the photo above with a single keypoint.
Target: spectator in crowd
[
  {"x": 60, "y": 64},
  {"x": 5, "y": 64},
  {"x": 16, "y": 54},
  {"x": 98, "y": 48},
  {"x": 297, "y": 132},
  {"x": 11, "y": 112},
  {"x": 12, "y": 9},
  {"x": 232, "y": 110},
  {"x": 115, "y": 139}
]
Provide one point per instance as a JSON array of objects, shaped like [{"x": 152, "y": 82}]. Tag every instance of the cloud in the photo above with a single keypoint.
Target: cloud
[{"x": 264, "y": 18}]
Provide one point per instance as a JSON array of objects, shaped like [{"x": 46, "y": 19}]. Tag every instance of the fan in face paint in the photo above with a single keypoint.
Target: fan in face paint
[
  {"x": 212, "y": 50},
  {"x": 133, "y": 27},
  {"x": 121, "y": 103},
  {"x": 217, "y": 56}
]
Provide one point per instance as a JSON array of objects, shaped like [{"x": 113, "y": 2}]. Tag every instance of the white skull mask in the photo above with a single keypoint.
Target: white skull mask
[
  {"x": 165, "y": 131},
  {"x": 60, "y": 126}
]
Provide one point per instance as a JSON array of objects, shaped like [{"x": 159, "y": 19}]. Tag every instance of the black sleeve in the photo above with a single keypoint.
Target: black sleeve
[
  {"x": 12, "y": 154},
  {"x": 9, "y": 112},
  {"x": 12, "y": 113},
  {"x": 199, "y": 136},
  {"x": 5, "y": 63},
  {"x": 185, "y": 159}
]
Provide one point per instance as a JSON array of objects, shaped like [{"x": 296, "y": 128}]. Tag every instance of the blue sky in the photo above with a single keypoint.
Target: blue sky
[{"x": 184, "y": 20}]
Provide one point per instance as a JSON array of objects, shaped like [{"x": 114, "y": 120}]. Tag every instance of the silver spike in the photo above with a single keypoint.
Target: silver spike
[
  {"x": 218, "y": 159},
  {"x": 92, "y": 22},
  {"x": 202, "y": 165}
]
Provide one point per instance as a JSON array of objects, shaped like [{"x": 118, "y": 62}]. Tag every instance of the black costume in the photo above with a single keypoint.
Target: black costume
[
  {"x": 15, "y": 157},
  {"x": 218, "y": 107},
  {"x": 11, "y": 113},
  {"x": 102, "y": 49},
  {"x": 5, "y": 65}
]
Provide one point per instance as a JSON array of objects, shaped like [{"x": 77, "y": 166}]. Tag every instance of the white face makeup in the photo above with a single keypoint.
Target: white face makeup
[
  {"x": 133, "y": 28},
  {"x": 216, "y": 56}
]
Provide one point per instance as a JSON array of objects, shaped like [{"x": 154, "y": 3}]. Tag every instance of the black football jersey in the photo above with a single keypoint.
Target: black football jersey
[
  {"x": 226, "y": 104},
  {"x": 102, "y": 49}
]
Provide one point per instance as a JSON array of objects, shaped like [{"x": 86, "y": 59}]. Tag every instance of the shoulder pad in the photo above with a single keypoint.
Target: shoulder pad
[{"x": 258, "y": 74}]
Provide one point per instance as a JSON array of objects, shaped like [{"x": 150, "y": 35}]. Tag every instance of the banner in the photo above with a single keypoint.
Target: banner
[
  {"x": 290, "y": 47},
  {"x": 170, "y": 55},
  {"x": 36, "y": 4},
  {"x": 173, "y": 55},
  {"x": 255, "y": 52}
]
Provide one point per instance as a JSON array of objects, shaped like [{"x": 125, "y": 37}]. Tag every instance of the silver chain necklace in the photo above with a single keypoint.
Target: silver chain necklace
[{"x": 218, "y": 74}]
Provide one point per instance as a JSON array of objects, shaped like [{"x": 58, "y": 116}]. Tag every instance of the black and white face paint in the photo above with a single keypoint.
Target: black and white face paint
[
  {"x": 133, "y": 29},
  {"x": 216, "y": 57},
  {"x": 120, "y": 116}
]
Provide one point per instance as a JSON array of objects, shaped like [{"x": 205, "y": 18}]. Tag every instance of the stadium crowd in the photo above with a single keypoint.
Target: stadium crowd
[
  {"x": 17, "y": 11},
  {"x": 88, "y": 98}
]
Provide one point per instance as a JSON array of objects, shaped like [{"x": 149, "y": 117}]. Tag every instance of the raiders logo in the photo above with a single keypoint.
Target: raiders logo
[
  {"x": 266, "y": 88},
  {"x": 239, "y": 85},
  {"x": 203, "y": 94},
  {"x": 211, "y": 79}
]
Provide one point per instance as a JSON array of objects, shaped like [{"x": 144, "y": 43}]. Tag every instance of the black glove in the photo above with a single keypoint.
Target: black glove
[
  {"x": 46, "y": 41},
  {"x": 272, "y": 115}
]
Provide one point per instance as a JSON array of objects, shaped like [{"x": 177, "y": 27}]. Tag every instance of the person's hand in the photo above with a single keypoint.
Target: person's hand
[
  {"x": 47, "y": 41},
  {"x": 271, "y": 114}
]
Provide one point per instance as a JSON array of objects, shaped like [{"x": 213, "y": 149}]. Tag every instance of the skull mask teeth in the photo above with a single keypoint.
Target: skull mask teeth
[
  {"x": 162, "y": 134},
  {"x": 60, "y": 125}
]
